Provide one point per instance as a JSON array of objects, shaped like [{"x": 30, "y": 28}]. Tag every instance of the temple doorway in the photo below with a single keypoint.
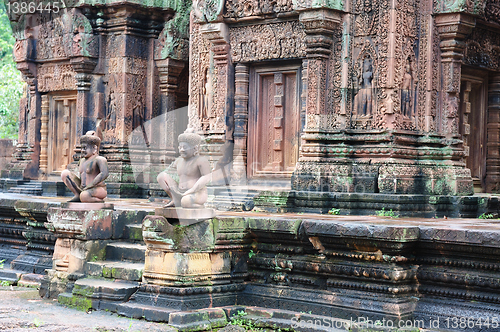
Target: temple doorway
[
  {"x": 274, "y": 122},
  {"x": 473, "y": 96},
  {"x": 61, "y": 131}
]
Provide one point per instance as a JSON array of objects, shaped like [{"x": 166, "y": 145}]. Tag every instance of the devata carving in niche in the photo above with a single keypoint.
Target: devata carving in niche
[
  {"x": 111, "y": 116},
  {"x": 204, "y": 114},
  {"x": 363, "y": 101},
  {"x": 407, "y": 91}
]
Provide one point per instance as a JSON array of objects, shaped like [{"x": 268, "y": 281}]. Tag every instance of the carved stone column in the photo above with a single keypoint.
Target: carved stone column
[
  {"x": 26, "y": 157},
  {"x": 240, "y": 122},
  {"x": 44, "y": 131},
  {"x": 319, "y": 26},
  {"x": 453, "y": 28},
  {"x": 493, "y": 144},
  {"x": 221, "y": 127},
  {"x": 169, "y": 71}
]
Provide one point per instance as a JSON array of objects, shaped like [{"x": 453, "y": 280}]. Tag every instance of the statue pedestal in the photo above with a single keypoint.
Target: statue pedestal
[
  {"x": 184, "y": 216},
  {"x": 82, "y": 236},
  {"x": 190, "y": 266}
]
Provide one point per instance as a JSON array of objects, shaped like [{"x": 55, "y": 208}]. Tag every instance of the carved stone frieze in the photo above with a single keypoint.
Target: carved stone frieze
[
  {"x": 492, "y": 11},
  {"x": 56, "y": 77},
  {"x": 483, "y": 49},
  {"x": 248, "y": 8},
  {"x": 264, "y": 42}
]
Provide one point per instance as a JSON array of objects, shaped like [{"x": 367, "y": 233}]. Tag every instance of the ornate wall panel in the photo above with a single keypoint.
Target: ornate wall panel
[
  {"x": 483, "y": 49},
  {"x": 56, "y": 77},
  {"x": 283, "y": 40},
  {"x": 202, "y": 81}
]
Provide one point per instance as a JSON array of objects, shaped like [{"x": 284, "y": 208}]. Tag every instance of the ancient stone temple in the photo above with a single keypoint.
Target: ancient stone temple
[
  {"x": 109, "y": 68},
  {"x": 347, "y": 97}
]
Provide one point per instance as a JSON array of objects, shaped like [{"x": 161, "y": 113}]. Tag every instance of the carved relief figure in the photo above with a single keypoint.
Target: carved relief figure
[
  {"x": 88, "y": 186},
  {"x": 111, "y": 116},
  {"x": 407, "y": 92},
  {"x": 204, "y": 108},
  {"x": 190, "y": 190},
  {"x": 363, "y": 101}
]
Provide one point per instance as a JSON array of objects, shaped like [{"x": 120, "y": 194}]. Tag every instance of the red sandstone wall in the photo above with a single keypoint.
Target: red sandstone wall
[{"x": 6, "y": 151}]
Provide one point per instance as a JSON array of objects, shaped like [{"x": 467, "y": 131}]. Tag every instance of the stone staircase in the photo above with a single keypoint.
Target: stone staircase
[
  {"x": 27, "y": 188},
  {"x": 114, "y": 279},
  {"x": 231, "y": 199}
]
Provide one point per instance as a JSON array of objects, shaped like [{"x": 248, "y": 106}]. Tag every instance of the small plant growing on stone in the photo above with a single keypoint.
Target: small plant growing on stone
[
  {"x": 1, "y": 263},
  {"x": 240, "y": 320},
  {"x": 334, "y": 211},
  {"x": 486, "y": 216},
  {"x": 251, "y": 253},
  {"x": 385, "y": 213},
  {"x": 4, "y": 283}
]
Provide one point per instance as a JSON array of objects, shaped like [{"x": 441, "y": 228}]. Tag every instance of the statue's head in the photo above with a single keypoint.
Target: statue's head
[
  {"x": 90, "y": 143},
  {"x": 189, "y": 143}
]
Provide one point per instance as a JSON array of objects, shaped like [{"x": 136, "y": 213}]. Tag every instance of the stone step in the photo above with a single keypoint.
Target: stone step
[
  {"x": 148, "y": 312},
  {"x": 115, "y": 269},
  {"x": 10, "y": 276},
  {"x": 133, "y": 232},
  {"x": 98, "y": 294},
  {"x": 222, "y": 204},
  {"x": 125, "y": 251},
  {"x": 27, "y": 188}
]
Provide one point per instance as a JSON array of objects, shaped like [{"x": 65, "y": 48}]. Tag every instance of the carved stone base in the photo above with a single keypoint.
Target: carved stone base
[
  {"x": 71, "y": 255},
  {"x": 80, "y": 222},
  {"x": 190, "y": 298},
  {"x": 185, "y": 216},
  {"x": 382, "y": 178},
  {"x": 187, "y": 269}
]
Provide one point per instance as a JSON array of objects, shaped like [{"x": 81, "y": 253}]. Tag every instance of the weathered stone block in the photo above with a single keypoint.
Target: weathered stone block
[
  {"x": 187, "y": 269},
  {"x": 159, "y": 233},
  {"x": 81, "y": 224}
]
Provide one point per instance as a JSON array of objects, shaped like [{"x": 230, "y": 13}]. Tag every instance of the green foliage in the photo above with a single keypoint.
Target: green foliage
[
  {"x": 240, "y": 320},
  {"x": 6, "y": 38},
  {"x": 334, "y": 211},
  {"x": 4, "y": 283},
  {"x": 486, "y": 216},
  {"x": 384, "y": 213},
  {"x": 11, "y": 84},
  {"x": 37, "y": 322},
  {"x": 251, "y": 254},
  {"x": 1, "y": 263}
]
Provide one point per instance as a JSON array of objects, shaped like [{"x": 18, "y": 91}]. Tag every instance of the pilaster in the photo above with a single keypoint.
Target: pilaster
[
  {"x": 453, "y": 28},
  {"x": 319, "y": 26},
  {"x": 220, "y": 127},
  {"x": 493, "y": 137},
  {"x": 240, "y": 122}
]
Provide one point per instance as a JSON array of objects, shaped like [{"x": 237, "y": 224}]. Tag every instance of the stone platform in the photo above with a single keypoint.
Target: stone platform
[{"x": 297, "y": 268}]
